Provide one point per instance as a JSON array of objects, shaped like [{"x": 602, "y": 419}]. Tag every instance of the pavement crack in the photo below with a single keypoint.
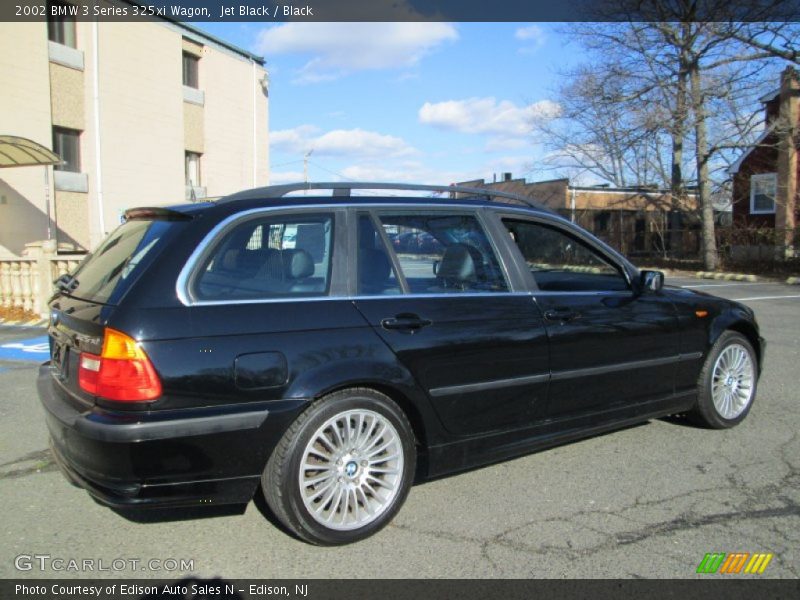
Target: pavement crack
[{"x": 40, "y": 461}]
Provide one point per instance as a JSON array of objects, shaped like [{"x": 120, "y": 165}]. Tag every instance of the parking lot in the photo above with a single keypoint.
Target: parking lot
[{"x": 647, "y": 501}]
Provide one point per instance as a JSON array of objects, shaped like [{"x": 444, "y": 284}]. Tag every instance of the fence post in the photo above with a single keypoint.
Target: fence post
[{"x": 41, "y": 277}]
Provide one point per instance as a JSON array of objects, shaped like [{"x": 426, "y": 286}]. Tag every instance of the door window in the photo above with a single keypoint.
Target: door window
[
  {"x": 444, "y": 253},
  {"x": 562, "y": 262},
  {"x": 287, "y": 256}
]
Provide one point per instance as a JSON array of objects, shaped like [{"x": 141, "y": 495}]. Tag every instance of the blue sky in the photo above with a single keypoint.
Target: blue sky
[{"x": 424, "y": 102}]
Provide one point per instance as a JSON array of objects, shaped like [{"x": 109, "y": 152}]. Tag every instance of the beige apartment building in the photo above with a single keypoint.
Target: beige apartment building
[{"x": 150, "y": 113}]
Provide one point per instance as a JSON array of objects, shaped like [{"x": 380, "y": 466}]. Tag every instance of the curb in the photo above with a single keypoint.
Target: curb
[
  {"x": 793, "y": 281},
  {"x": 725, "y": 276}
]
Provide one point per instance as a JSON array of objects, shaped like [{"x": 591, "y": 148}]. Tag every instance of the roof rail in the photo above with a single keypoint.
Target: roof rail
[{"x": 343, "y": 189}]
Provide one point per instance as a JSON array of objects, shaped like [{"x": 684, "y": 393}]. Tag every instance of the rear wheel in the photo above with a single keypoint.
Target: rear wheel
[
  {"x": 728, "y": 381},
  {"x": 343, "y": 469}
]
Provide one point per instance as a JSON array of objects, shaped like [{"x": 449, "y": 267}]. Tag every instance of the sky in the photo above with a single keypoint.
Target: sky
[{"x": 429, "y": 103}]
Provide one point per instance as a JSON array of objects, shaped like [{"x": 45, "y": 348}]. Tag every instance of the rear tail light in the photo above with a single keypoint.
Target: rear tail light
[{"x": 122, "y": 372}]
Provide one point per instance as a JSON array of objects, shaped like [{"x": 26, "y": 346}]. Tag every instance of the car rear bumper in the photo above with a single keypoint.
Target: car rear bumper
[{"x": 162, "y": 458}]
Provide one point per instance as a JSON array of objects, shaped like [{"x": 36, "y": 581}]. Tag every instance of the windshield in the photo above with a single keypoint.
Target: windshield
[{"x": 106, "y": 274}]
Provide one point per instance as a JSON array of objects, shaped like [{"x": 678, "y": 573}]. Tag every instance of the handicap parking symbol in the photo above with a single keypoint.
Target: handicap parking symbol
[{"x": 34, "y": 349}]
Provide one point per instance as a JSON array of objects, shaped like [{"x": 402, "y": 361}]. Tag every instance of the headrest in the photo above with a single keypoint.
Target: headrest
[
  {"x": 297, "y": 264},
  {"x": 458, "y": 263},
  {"x": 229, "y": 259}
]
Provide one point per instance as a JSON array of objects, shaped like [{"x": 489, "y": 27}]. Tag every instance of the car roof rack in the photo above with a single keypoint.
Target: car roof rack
[{"x": 344, "y": 189}]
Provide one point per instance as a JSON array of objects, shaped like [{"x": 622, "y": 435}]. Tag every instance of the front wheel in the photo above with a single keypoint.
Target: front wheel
[
  {"x": 343, "y": 469},
  {"x": 727, "y": 384}
]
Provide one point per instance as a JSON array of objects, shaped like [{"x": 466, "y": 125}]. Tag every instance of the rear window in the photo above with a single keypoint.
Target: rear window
[{"x": 106, "y": 274}]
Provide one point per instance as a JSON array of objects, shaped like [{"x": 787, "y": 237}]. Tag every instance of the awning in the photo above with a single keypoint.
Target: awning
[{"x": 22, "y": 152}]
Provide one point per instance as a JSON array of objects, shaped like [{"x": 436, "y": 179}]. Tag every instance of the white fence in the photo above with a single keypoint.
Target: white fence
[{"x": 27, "y": 282}]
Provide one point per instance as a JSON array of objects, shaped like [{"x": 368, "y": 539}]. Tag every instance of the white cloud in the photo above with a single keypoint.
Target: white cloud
[
  {"x": 338, "y": 49},
  {"x": 339, "y": 142},
  {"x": 533, "y": 38},
  {"x": 486, "y": 116}
]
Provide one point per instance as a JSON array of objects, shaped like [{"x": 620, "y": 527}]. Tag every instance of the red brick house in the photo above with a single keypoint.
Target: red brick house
[{"x": 765, "y": 177}]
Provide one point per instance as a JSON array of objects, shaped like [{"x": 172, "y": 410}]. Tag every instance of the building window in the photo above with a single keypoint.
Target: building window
[
  {"x": 193, "y": 169},
  {"x": 763, "y": 188},
  {"x": 66, "y": 143},
  {"x": 190, "y": 70},
  {"x": 61, "y": 25},
  {"x": 601, "y": 221}
]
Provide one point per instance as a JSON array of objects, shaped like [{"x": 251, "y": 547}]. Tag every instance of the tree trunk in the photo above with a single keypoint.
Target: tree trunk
[{"x": 701, "y": 153}]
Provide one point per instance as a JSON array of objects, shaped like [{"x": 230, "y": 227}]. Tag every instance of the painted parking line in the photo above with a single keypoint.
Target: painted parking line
[
  {"x": 704, "y": 285},
  {"x": 765, "y": 298},
  {"x": 32, "y": 349}
]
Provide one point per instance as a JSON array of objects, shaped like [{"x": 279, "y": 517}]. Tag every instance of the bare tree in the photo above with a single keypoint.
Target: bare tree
[
  {"x": 598, "y": 136},
  {"x": 689, "y": 58}
]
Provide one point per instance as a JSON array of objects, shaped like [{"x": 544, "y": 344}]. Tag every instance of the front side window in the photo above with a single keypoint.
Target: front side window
[
  {"x": 763, "y": 188},
  {"x": 61, "y": 23},
  {"x": 190, "y": 70},
  {"x": 560, "y": 262},
  {"x": 66, "y": 143},
  {"x": 271, "y": 257},
  {"x": 444, "y": 253}
]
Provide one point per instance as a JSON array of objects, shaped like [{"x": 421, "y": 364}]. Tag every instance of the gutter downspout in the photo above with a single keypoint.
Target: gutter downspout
[
  {"x": 255, "y": 138},
  {"x": 96, "y": 98},
  {"x": 572, "y": 205}
]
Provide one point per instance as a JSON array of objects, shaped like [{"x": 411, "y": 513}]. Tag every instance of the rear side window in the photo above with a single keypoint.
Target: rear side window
[
  {"x": 274, "y": 257},
  {"x": 444, "y": 253},
  {"x": 107, "y": 273}
]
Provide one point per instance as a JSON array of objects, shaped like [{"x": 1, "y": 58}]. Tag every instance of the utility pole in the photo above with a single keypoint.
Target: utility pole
[{"x": 305, "y": 168}]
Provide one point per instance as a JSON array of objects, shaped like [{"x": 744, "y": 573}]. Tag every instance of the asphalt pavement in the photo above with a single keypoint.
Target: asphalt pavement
[{"x": 646, "y": 501}]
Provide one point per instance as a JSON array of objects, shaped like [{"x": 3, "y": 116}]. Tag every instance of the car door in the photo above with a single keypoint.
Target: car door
[
  {"x": 611, "y": 345},
  {"x": 446, "y": 308}
]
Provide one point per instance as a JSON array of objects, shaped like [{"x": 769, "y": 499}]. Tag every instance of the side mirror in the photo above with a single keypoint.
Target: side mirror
[
  {"x": 436, "y": 264},
  {"x": 651, "y": 281}
]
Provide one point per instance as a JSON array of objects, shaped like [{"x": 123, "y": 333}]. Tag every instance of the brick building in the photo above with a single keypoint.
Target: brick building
[
  {"x": 765, "y": 176},
  {"x": 634, "y": 220}
]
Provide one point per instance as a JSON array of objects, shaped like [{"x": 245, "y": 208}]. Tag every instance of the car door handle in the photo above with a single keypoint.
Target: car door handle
[
  {"x": 406, "y": 322},
  {"x": 561, "y": 315}
]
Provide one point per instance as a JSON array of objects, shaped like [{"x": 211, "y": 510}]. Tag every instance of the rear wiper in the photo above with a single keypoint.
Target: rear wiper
[{"x": 66, "y": 283}]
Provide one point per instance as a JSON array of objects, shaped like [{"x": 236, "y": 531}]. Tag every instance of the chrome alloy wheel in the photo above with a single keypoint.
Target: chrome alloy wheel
[
  {"x": 732, "y": 381},
  {"x": 351, "y": 469}
]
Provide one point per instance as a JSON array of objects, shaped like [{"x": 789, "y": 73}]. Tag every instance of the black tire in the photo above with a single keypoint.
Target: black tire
[
  {"x": 705, "y": 412},
  {"x": 280, "y": 480}
]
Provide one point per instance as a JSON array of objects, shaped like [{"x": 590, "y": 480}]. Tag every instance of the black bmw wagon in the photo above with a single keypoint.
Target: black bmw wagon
[{"x": 334, "y": 348}]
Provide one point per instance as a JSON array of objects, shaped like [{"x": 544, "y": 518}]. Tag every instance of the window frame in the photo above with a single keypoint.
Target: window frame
[
  {"x": 628, "y": 271},
  {"x": 337, "y": 279},
  {"x": 195, "y": 61},
  {"x": 512, "y": 285},
  {"x": 58, "y": 26},
  {"x": 756, "y": 177},
  {"x": 199, "y": 156},
  {"x": 66, "y": 165}
]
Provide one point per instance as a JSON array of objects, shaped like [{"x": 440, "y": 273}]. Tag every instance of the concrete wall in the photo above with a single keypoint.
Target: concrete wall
[
  {"x": 232, "y": 106},
  {"x": 24, "y": 111},
  {"x": 141, "y": 125}
]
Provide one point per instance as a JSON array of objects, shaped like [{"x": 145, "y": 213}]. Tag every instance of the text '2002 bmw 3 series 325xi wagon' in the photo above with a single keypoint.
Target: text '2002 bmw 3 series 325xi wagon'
[{"x": 332, "y": 349}]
